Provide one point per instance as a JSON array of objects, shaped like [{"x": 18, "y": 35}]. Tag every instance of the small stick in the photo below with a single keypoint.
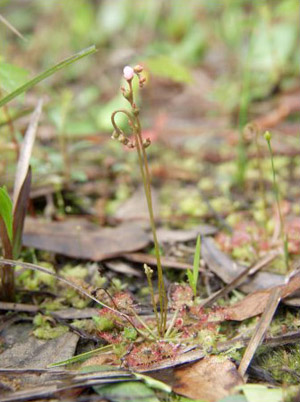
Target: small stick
[
  {"x": 239, "y": 279},
  {"x": 260, "y": 330},
  {"x": 11, "y": 27}
]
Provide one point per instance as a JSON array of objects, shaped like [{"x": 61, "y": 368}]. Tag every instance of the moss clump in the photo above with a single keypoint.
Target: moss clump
[
  {"x": 283, "y": 364},
  {"x": 49, "y": 332},
  {"x": 46, "y": 328},
  {"x": 35, "y": 280},
  {"x": 130, "y": 333},
  {"x": 103, "y": 323}
]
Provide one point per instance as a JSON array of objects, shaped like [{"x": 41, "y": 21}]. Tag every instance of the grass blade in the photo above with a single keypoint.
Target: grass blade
[
  {"x": 82, "y": 356},
  {"x": 6, "y": 212},
  {"x": 197, "y": 260},
  {"x": 47, "y": 73}
]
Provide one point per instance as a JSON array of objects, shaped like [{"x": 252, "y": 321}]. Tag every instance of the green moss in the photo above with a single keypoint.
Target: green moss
[
  {"x": 233, "y": 218},
  {"x": 53, "y": 305},
  {"x": 130, "y": 333},
  {"x": 46, "y": 328},
  {"x": 118, "y": 285},
  {"x": 103, "y": 323},
  {"x": 192, "y": 205},
  {"x": 74, "y": 299},
  {"x": 78, "y": 271},
  {"x": 278, "y": 266},
  {"x": 206, "y": 184},
  {"x": 98, "y": 281},
  {"x": 33, "y": 280},
  {"x": 221, "y": 204},
  {"x": 244, "y": 253},
  {"x": 207, "y": 338},
  {"x": 47, "y": 333},
  {"x": 283, "y": 363},
  {"x": 87, "y": 325}
]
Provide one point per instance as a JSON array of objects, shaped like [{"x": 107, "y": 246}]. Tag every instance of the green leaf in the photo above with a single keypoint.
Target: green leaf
[
  {"x": 262, "y": 393},
  {"x": 197, "y": 260},
  {"x": 46, "y": 74},
  {"x": 193, "y": 276},
  {"x": 11, "y": 76},
  {"x": 184, "y": 399},
  {"x": 127, "y": 391},
  {"x": 234, "y": 398},
  {"x": 272, "y": 46},
  {"x": 153, "y": 383},
  {"x": 6, "y": 212},
  {"x": 166, "y": 67},
  {"x": 191, "y": 280},
  {"x": 81, "y": 357}
]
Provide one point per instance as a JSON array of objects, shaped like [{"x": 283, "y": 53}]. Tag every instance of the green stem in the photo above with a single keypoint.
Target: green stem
[
  {"x": 162, "y": 292},
  {"x": 276, "y": 192},
  {"x": 261, "y": 180},
  {"x": 144, "y": 325},
  {"x": 149, "y": 279},
  {"x": 172, "y": 323},
  {"x": 146, "y": 183}
]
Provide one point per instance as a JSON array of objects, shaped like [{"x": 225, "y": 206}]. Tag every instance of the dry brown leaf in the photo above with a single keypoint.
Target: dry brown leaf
[
  {"x": 135, "y": 208},
  {"x": 210, "y": 379},
  {"x": 26, "y": 151},
  {"x": 81, "y": 239},
  {"x": 180, "y": 235},
  {"x": 228, "y": 270},
  {"x": 255, "y": 303},
  {"x": 123, "y": 268},
  {"x": 149, "y": 259}
]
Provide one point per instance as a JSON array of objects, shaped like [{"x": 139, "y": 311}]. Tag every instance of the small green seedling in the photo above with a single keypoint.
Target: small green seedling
[
  {"x": 193, "y": 275},
  {"x": 268, "y": 138}
]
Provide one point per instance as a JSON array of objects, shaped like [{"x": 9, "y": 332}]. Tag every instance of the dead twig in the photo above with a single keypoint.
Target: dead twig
[
  {"x": 11, "y": 27},
  {"x": 239, "y": 279},
  {"x": 260, "y": 330}
]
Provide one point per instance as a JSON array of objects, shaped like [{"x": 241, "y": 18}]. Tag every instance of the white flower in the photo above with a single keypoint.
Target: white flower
[{"x": 128, "y": 73}]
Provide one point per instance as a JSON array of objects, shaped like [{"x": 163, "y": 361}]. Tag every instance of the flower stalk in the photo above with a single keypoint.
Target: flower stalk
[
  {"x": 140, "y": 144},
  {"x": 268, "y": 137}
]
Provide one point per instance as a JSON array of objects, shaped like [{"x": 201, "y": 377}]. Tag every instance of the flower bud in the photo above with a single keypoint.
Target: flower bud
[
  {"x": 123, "y": 140},
  {"x": 142, "y": 80},
  {"x": 268, "y": 136},
  {"x": 148, "y": 270},
  {"x": 115, "y": 135},
  {"x": 146, "y": 142},
  {"x": 128, "y": 73},
  {"x": 138, "y": 69}
]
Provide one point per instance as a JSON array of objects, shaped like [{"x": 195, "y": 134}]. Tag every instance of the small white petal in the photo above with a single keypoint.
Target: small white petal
[{"x": 128, "y": 73}]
